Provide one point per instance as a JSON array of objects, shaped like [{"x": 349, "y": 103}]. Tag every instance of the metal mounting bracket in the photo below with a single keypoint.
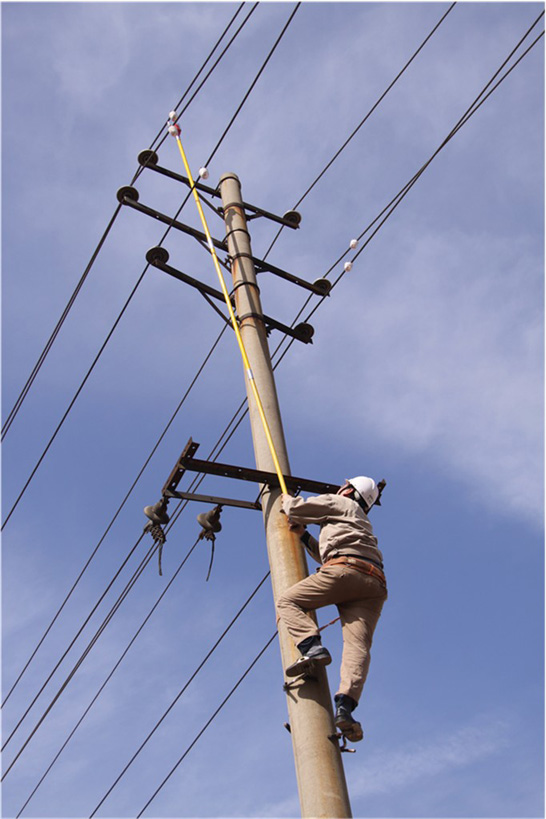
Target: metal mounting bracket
[
  {"x": 129, "y": 196},
  {"x": 149, "y": 159},
  {"x": 159, "y": 256},
  {"x": 190, "y": 496},
  {"x": 186, "y": 461}
]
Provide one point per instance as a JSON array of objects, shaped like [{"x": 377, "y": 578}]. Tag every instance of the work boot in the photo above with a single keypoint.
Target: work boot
[
  {"x": 344, "y": 720},
  {"x": 312, "y": 651}
]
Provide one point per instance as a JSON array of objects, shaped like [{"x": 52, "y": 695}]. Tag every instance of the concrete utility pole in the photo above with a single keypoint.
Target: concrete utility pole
[{"x": 319, "y": 769}]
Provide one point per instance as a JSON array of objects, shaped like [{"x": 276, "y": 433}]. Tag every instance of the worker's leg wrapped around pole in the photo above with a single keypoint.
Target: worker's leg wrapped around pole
[{"x": 359, "y": 599}]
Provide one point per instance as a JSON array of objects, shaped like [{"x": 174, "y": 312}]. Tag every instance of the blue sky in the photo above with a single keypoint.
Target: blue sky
[{"x": 426, "y": 369}]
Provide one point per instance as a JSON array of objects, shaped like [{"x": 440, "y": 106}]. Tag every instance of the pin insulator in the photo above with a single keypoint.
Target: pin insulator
[
  {"x": 353, "y": 244},
  {"x": 304, "y": 332},
  {"x": 292, "y": 216},
  {"x": 148, "y": 157},
  {"x": 127, "y": 192},
  {"x": 347, "y": 266},
  {"x": 157, "y": 255}
]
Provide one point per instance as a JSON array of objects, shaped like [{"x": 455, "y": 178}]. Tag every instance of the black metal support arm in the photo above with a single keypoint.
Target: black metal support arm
[
  {"x": 149, "y": 159},
  {"x": 188, "y": 462},
  {"x": 158, "y": 257}
]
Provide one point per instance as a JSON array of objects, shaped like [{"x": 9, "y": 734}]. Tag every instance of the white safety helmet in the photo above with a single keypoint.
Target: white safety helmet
[{"x": 366, "y": 489}]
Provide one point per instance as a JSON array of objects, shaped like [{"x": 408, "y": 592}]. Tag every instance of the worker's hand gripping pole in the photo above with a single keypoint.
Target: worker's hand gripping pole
[{"x": 175, "y": 131}]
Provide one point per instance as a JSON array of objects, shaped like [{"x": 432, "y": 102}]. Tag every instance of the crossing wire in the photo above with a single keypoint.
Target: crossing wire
[
  {"x": 16, "y": 407},
  {"x": 207, "y": 724},
  {"x": 110, "y": 675},
  {"x": 19, "y": 723},
  {"x": 299, "y": 202},
  {"x": 365, "y": 118},
  {"x": 465, "y": 118},
  {"x": 182, "y": 690},
  {"x": 462, "y": 121},
  {"x": 470, "y": 111},
  {"x": 130, "y": 584},
  {"x": 387, "y": 211},
  {"x": 223, "y": 136},
  {"x": 110, "y": 525},
  {"x": 196, "y": 482}
]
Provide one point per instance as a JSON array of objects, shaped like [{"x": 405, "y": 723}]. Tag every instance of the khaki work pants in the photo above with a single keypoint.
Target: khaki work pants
[{"x": 359, "y": 599}]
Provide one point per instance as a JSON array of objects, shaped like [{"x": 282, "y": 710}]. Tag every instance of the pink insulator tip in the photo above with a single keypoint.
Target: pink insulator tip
[{"x": 174, "y": 130}]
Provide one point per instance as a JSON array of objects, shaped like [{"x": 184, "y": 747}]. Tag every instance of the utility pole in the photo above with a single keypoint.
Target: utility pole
[{"x": 319, "y": 769}]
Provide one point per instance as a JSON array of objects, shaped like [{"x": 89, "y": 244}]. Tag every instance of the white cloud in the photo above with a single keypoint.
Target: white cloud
[
  {"x": 441, "y": 354},
  {"x": 388, "y": 770}
]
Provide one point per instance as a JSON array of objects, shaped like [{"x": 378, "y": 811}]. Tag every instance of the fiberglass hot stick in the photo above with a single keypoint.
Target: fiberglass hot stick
[{"x": 175, "y": 131}]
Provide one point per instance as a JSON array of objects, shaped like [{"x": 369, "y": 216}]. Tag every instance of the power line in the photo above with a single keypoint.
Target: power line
[
  {"x": 224, "y": 134},
  {"x": 212, "y": 718},
  {"x": 182, "y": 690},
  {"x": 74, "y": 639},
  {"x": 199, "y": 371},
  {"x": 365, "y": 118},
  {"x": 196, "y": 482},
  {"x": 43, "y": 355},
  {"x": 188, "y": 89},
  {"x": 387, "y": 211},
  {"x": 463, "y": 121},
  {"x": 255, "y": 80},
  {"x": 110, "y": 675},
  {"x": 138, "y": 572},
  {"x": 97, "y": 547}
]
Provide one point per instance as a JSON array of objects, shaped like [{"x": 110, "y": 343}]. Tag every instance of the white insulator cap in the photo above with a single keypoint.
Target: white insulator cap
[
  {"x": 173, "y": 130},
  {"x": 353, "y": 244},
  {"x": 347, "y": 266},
  {"x": 173, "y": 115},
  {"x": 203, "y": 173}
]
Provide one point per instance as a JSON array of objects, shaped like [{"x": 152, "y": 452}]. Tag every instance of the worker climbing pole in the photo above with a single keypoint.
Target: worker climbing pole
[{"x": 319, "y": 769}]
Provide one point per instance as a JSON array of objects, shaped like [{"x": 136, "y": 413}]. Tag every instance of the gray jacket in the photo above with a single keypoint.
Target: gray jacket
[{"x": 344, "y": 527}]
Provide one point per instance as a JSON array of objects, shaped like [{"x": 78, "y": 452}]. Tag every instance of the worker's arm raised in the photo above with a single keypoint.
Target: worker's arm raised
[{"x": 313, "y": 510}]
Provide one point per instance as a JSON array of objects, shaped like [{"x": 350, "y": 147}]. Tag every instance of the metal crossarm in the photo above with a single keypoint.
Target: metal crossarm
[
  {"x": 149, "y": 159},
  {"x": 191, "y": 464}
]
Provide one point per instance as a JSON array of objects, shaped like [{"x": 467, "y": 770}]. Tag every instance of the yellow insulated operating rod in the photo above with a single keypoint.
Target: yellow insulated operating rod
[{"x": 175, "y": 131}]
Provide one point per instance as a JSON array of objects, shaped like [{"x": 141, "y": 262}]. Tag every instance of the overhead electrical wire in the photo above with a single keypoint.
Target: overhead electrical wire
[
  {"x": 207, "y": 724},
  {"x": 387, "y": 211},
  {"x": 463, "y": 120},
  {"x": 301, "y": 199},
  {"x": 177, "y": 697},
  {"x": 52, "y": 673},
  {"x": 470, "y": 111},
  {"x": 365, "y": 118},
  {"x": 195, "y": 483},
  {"x": 110, "y": 675},
  {"x": 223, "y": 136},
  {"x": 121, "y": 597},
  {"x": 16, "y": 407},
  {"x": 113, "y": 520}
]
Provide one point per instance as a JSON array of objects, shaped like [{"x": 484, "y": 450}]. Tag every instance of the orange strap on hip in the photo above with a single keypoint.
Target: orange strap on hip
[{"x": 360, "y": 565}]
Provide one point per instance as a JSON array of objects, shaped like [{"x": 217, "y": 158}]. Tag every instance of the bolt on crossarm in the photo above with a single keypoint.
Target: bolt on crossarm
[{"x": 319, "y": 769}]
